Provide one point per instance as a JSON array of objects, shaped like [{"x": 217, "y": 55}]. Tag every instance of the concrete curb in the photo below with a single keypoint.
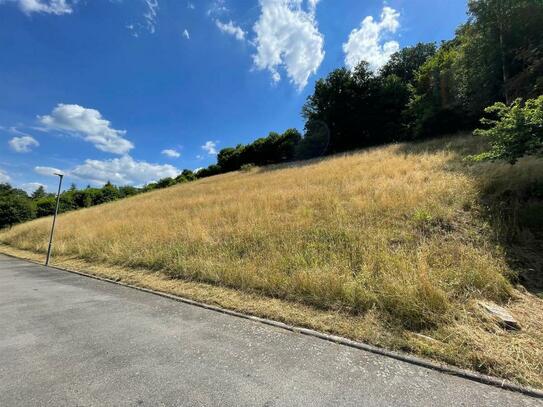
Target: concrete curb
[{"x": 444, "y": 368}]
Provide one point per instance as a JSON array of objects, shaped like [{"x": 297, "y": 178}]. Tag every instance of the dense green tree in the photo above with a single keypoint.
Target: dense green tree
[
  {"x": 405, "y": 63},
  {"x": 39, "y": 193},
  {"x": 14, "y": 209},
  {"x": 286, "y": 145},
  {"x": 507, "y": 39},
  {"x": 188, "y": 175},
  {"x": 67, "y": 202},
  {"x": 344, "y": 103},
  {"x": 45, "y": 206},
  {"x": 84, "y": 198},
  {"x": 315, "y": 141},
  {"x": 209, "y": 171},
  {"x": 230, "y": 158},
  {"x": 354, "y": 109},
  {"x": 495, "y": 57},
  {"x": 108, "y": 193},
  {"x": 165, "y": 182},
  {"x": 436, "y": 107},
  {"x": 15, "y": 206},
  {"x": 392, "y": 98},
  {"x": 128, "y": 190},
  {"x": 272, "y": 149}
]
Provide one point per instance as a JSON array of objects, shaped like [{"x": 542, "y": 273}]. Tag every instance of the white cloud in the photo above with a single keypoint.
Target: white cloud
[
  {"x": 231, "y": 29},
  {"x": 30, "y": 187},
  {"x": 190, "y": 6},
  {"x": 210, "y": 147},
  {"x": 149, "y": 18},
  {"x": 122, "y": 171},
  {"x": 170, "y": 152},
  {"x": 90, "y": 124},
  {"x": 151, "y": 15},
  {"x": 365, "y": 43},
  {"x": 312, "y": 4},
  {"x": 57, "y": 7},
  {"x": 186, "y": 34},
  {"x": 4, "y": 177},
  {"x": 47, "y": 171},
  {"x": 23, "y": 144},
  {"x": 217, "y": 7},
  {"x": 287, "y": 36}
]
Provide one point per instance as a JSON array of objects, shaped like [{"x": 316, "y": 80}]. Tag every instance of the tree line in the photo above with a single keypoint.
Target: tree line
[
  {"x": 17, "y": 206},
  {"x": 493, "y": 66},
  {"x": 423, "y": 91}
]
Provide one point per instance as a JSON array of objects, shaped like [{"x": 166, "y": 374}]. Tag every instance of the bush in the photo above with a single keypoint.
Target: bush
[
  {"x": 516, "y": 131},
  {"x": 14, "y": 208},
  {"x": 247, "y": 167}
]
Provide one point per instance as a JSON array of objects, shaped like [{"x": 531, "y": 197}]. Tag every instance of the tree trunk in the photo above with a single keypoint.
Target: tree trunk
[
  {"x": 505, "y": 71},
  {"x": 505, "y": 75}
]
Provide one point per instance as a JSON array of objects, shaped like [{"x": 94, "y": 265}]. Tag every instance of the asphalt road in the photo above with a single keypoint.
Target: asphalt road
[{"x": 68, "y": 340}]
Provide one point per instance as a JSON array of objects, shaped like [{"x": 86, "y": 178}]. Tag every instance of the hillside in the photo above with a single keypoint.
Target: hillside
[{"x": 381, "y": 245}]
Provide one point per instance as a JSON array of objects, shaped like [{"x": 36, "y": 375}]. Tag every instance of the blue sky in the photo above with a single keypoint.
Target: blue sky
[{"x": 135, "y": 90}]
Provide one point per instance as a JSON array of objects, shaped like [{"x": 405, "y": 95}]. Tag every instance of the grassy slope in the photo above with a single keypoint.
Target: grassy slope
[{"x": 394, "y": 237}]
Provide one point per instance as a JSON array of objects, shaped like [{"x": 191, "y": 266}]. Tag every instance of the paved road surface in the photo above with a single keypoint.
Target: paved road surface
[{"x": 75, "y": 341}]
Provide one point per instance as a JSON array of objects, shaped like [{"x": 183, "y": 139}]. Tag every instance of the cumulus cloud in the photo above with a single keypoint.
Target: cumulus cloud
[
  {"x": 4, "y": 177},
  {"x": 48, "y": 171},
  {"x": 366, "y": 42},
  {"x": 57, "y": 7},
  {"x": 89, "y": 124},
  {"x": 170, "y": 152},
  {"x": 231, "y": 29},
  {"x": 210, "y": 147},
  {"x": 122, "y": 171},
  {"x": 23, "y": 144},
  {"x": 287, "y": 36}
]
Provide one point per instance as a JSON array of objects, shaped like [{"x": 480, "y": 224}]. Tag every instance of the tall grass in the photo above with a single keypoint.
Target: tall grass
[{"x": 399, "y": 229}]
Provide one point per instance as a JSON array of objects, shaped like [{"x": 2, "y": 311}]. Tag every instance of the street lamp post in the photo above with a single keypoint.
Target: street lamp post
[{"x": 54, "y": 219}]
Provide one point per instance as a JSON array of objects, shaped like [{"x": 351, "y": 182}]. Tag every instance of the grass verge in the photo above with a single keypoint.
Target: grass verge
[{"x": 471, "y": 342}]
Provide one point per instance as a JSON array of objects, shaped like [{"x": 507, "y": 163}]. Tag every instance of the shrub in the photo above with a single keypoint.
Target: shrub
[
  {"x": 14, "y": 209},
  {"x": 516, "y": 130},
  {"x": 247, "y": 167}
]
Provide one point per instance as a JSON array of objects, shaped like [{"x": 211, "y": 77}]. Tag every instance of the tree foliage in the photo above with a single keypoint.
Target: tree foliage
[
  {"x": 405, "y": 63},
  {"x": 515, "y": 130},
  {"x": 496, "y": 56},
  {"x": 15, "y": 206},
  {"x": 273, "y": 149}
]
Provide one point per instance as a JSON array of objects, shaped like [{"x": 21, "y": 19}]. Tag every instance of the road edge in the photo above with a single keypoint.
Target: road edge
[{"x": 404, "y": 357}]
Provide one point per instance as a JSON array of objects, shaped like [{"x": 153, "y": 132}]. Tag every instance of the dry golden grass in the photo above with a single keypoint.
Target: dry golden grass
[{"x": 394, "y": 238}]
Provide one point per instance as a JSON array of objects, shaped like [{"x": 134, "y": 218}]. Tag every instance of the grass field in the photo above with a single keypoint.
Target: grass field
[{"x": 404, "y": 239}]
